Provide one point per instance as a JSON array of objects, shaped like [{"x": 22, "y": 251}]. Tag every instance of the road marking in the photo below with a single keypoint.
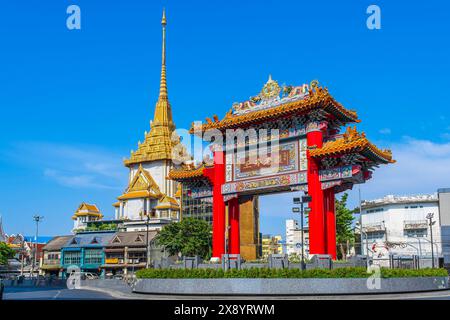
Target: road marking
[{"x": 57, "y": 294}]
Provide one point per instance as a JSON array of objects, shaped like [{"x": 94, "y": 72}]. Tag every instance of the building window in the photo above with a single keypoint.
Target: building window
[
  {"x": 137, "y": 257},
  {"x": 375, "y": 235},
  {"x": 416, "y": 233},
  {"x": 199, "y": 208},
  {"x": 375, "y": 210},
  {"x": 93, "y": 256},
  {"x": 72, "y": 257},
  {"x": 53, "y": 256}
]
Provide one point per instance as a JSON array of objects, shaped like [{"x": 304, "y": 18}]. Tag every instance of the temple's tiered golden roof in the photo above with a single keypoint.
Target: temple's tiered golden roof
[
  {"x": 319, "y": 98},
  {"x": 352, "y": 142},
  {"x": 86, "y": 209},
  {"x": 168, "y": 203},
  {"x": 158, "y": 142}
]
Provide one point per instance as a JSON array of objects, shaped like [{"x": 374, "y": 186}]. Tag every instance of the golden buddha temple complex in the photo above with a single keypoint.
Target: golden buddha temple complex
[{"x": 149, "y": 194}]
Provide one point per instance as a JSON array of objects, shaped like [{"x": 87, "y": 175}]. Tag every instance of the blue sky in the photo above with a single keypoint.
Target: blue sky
[{"x": 74, "y": 103}]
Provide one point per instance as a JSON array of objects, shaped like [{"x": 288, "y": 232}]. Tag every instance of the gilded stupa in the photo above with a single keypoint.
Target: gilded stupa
[
  {"x": 150, "y": 194},
  {"x": 158, "y": 142}
]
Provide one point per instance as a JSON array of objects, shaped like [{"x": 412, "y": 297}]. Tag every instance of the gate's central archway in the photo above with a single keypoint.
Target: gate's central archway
[{"x": 284, "y": 139}]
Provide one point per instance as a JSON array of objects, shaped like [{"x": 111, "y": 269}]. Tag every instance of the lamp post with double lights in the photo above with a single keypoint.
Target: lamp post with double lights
[
  {"x": 302, "y": 200},
  {"x": 37, "y": 218},
  {"x": 431, "y": 223}
]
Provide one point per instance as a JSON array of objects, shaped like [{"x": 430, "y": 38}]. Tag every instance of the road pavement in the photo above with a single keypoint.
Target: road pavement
[
  {"x": 91, "y": 293},
  {"x": 43, "y": 293}
]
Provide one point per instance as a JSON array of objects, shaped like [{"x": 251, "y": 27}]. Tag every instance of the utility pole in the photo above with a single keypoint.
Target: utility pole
[
  {"x": 431, "y": 223},
  {"x": 303, "y": 236},
  {"x": 366, "y": 244},
  {"x": 22, "y": 255},
  {"x": 360, "y": 220},
  {"x": 37, "y": 218}
]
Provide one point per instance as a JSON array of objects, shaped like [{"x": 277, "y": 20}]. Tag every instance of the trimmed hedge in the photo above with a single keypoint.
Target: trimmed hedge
[{"x": 352, "y": 272}]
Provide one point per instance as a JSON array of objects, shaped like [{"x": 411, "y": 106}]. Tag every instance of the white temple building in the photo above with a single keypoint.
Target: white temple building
[
  {"x": 150, "y": 197},
  {"x": 85, "y": 213}
]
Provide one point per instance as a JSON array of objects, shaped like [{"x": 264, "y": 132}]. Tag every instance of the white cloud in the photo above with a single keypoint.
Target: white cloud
[
  {"x": 75, "y": 181},
  {"x": 385, "y": 131},
  {"x": 422, "y": 166},
  {"x": 72, "y": 166}
]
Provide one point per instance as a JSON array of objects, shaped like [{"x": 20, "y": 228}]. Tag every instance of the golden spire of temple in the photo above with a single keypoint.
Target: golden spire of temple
[
  {"x": 163, "y": 84},
  {"x": 163, "y": 111},
  {"x": 158, "y": 143}
]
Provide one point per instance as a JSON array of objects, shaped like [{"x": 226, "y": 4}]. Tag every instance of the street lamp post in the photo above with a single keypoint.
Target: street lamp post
[
  {"x": 304, "y": 199},
  {"x": 147, "y": 263},
  {"x": 366, "y": 244},
  {"x": 431, "y": 223},
  {"x": 22, "y": 255},
  {"x": 37, "y": 218}
]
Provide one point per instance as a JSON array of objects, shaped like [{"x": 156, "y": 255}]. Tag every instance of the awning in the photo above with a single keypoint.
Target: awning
[
  {"x": 121, "y": 250},
  {"x": 51, "y": 267},
  {"x": 111, "y": 266},
  {"x": 137, "y": 249}
]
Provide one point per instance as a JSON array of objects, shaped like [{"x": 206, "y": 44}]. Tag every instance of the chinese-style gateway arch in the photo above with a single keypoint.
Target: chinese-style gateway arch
[{"x": 313, "y": 157}]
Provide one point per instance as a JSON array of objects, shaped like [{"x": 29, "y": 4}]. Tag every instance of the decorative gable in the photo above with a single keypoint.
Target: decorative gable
[
  {"x": 139, "y": 238},
  {"x": 116, "y": 240},
  {"x": 143, "y": 181}
]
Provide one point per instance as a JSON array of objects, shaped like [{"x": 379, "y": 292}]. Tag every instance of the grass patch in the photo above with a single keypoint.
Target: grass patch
[{"x": 350, "y": 272}]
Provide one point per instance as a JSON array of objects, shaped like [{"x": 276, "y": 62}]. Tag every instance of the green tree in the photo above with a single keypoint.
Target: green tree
[
  {"x": 344, "y": 221},
  {"x": 5, "y": 253},
  {"x": 189, "y": 237}
]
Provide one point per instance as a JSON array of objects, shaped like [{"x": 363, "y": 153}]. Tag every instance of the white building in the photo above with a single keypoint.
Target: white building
[
  {"x": 444, "y": 218},
  {"x": 399, "y": 225},
  {"x": 294, "y": 238}
]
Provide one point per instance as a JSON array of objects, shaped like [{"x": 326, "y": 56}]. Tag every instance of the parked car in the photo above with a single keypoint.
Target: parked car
[{"x": 90, "y": 276}]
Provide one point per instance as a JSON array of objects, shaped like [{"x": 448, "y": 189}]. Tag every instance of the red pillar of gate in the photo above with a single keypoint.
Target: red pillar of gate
[
  {"x": 233, "y": 213},
  {"x": 216, "y": 175},
  {"x": 314, "y": 138},
  {"x": 330, "y": 220}
]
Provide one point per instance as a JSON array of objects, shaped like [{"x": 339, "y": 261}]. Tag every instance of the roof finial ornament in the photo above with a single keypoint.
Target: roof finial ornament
[
  {"x": 270, "y": 90},
  {"x": 163, "y": 84},
  {"x": 163, "y": 20}
]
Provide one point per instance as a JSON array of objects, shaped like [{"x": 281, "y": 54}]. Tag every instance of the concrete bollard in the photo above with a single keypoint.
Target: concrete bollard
[
  {"x": 278, "y": 261},
  {"x": 231, "y": 261},
  {"x": 322, "y": 261}
]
